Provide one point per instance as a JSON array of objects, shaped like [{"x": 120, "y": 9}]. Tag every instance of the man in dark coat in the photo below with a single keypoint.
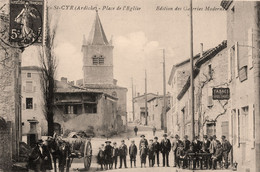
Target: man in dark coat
[
  {"x": 143, "y": 140},
  {"x": 151, "y": 153},
  {"x": 123, "y": 153},
  {"x": 226, "y": 149},
  {"x": 217, "y": 156},
  {"x": 108, "y": 155},
  {"x": 143, "y": 154},
  {"x": 205, "y": 149},
  {"x": 115, "y": 154},
  {"x": 165, "y": 149},
  {"x": 186, "y": 143},
  {"x": 175, "y": 146},
  {"x": 132, "y": 153},
  {"x": 197, "y": 149},
  {"x": 63, "y": 156},
  {"x": 135, "y": 130},
  {"x": 157, "y": 149}
]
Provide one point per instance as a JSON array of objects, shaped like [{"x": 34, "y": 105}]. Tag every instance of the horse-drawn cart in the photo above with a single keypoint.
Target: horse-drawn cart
[{"x": 80, "y": 147}]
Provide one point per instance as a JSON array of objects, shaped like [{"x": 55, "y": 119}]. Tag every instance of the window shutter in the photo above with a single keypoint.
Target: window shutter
[
  {"x": 23, "y": 106},
  {"x": 250, "y": 48},
  {"x": 229, "y": 65},
  {"x": 251, "y": 125},
  {"x": 236, "y": 60},
  {"x": 210, "y": 100}
]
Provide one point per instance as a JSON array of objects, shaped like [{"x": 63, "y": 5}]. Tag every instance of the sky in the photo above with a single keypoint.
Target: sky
[{"x": 138, "y": 36}]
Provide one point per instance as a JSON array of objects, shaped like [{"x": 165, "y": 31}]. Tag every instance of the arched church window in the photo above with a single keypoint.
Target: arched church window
[
  {"x": 95, "y": 60},
  {"x": 98, "y": 60},
  {"x": 101, "y": 60}
]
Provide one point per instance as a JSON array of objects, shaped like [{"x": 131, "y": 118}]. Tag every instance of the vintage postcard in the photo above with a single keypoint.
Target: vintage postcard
[{"x": 129, "y": 85}]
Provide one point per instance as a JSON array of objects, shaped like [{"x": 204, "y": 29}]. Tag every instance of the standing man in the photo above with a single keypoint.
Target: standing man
[
  {"x": 217, "y": 156},
  {"x": 175, "y": 146},
  {"x": 213, "y": 145},
  {"x": 132, "y": 153},
  {"x": 226, "y": 146},
  {"x": 135, "y": 130},
  {"x": 186, "y": 143},
  {"x": 157, "y": 149},
  {"x": 165, "y": 149},
  {"x": 123, "y": 153},
  {"x": 143, "y": 140},
  {"x": 115, "y": 154},
  {"x": 205, "y": 149},
  {"x": 197, "y": 149},
  {"x": 151, "y": 153},
  {"x": 108, "y": 155},
  {"x": 154, "y": 130}
]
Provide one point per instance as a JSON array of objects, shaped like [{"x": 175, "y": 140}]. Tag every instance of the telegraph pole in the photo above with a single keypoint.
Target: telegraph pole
[
  {"x": 146, "y": 122},
  {"x": 133, "y": 103},
  {"x": 164, "y": 95},
  {"x": 191, "y": 74}
]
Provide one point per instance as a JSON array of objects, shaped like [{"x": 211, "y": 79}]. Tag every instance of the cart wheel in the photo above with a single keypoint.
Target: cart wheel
[{"x": 87, "y": 155}]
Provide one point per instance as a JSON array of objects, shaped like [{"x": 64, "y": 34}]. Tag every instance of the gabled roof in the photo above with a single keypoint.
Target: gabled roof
[
  {"x": 206, "y": 56},
  {"x": 174, "y": 67},
  {"x": 97, "y": 35}
]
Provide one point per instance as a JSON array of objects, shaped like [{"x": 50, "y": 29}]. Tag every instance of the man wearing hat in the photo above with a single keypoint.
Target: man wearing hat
[
  {"x": 175, "y": 145},
  {"x": 157, "y": 149},
  {"x": 132, "y": 153},
  {"x": 151, "y": 152},
  {"x": 226, "y": 146},
  {"x": 115, "y": 154},
  {"x": 213, "y": 145},
  {"x": 108, "y": 155},
  {"x": 143, "y": 140},
  {"x": 122, "y": 153},
  {"x": 165, "y": 149},
  {"x": 186, "y": 143},
  {"x": 205, "y": 149}
]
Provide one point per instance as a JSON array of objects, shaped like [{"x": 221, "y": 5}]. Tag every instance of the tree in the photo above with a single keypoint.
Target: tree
[{"x": 48, "y": 64}]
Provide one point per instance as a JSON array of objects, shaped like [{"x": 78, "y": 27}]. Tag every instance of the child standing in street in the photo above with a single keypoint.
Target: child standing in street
[
  {"x": 101, "y": 156},
  {"x": 132, "y": 153},
  {"x": 143, "y": 154}
]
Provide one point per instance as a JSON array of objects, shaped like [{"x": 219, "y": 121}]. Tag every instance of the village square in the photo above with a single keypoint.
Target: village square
[{"x": 133, "y": 86}]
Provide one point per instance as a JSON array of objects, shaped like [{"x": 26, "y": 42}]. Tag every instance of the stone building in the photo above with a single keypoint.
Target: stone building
[
  {"x": 243, "y": 77},
  {"x": 10, "y": 101},
  {"x": 81, "y": 109},
  {"x": 139, "y": 105},
  {"x": 32, "y": 100},
  {"x": 210, "y": 115},
  {"x": 155, "y": 111},
  {"x": 98, "y": 67}
]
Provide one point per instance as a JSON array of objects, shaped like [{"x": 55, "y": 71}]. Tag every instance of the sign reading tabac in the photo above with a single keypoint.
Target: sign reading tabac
[
  {"x": 221, "y": 93},
  {"x": 26, "y": 21}
]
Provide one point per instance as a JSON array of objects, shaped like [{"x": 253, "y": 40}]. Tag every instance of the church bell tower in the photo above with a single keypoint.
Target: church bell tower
[{"x": 97, "y": 56}]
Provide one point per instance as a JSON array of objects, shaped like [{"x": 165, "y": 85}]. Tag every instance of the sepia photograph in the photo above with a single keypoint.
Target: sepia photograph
[{"x": 129, "y": 85}]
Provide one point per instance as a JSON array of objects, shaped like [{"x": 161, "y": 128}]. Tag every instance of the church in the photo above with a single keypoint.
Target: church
[{"x": 96, "y": 102}]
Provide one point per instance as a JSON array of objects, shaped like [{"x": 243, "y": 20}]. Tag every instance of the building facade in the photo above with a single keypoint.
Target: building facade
[
  {"x": 210, "y": 115},
  {"x": 32, "y": 100},
  {"x": 78, "y": 109},
  {"x": 139, "y": 105},
  {"x": 243, "y": 76},
  {"x": 155, "y": 111}
]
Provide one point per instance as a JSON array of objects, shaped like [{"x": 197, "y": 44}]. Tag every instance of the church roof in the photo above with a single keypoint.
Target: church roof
[{"x": 97, "y": 35}]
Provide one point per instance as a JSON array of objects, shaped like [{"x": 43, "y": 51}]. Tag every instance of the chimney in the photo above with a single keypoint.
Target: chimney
[
  {"x": 64, "y": 80},
  {"x": 201, "y": 49}
]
